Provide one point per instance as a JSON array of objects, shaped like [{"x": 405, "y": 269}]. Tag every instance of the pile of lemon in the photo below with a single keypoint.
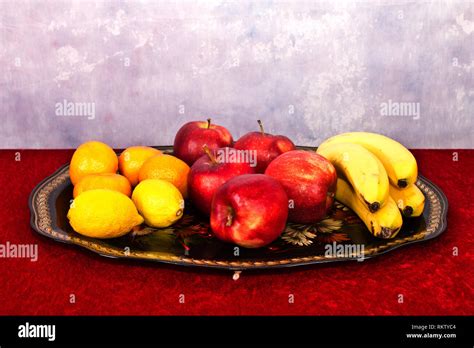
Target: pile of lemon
[{"x": 113, "y": 195}]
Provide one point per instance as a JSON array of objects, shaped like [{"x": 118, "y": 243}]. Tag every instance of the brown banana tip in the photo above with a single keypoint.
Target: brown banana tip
[
  {"x": 408, "y": 211},
  {"x": 386, "y": 232},
  {"x": 402, "y": 183},
  {"x": 373, "y": 207}
]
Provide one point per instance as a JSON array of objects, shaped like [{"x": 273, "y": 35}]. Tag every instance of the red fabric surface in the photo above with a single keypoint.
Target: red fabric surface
[{"x": 431, "y": 280}]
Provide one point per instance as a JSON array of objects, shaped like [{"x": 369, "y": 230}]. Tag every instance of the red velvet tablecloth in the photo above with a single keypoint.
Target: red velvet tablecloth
[{"x": 431, "y": 279}]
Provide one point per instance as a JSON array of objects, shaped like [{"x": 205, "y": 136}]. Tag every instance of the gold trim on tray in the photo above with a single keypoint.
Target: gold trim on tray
[{"x": 42, "y": 222}]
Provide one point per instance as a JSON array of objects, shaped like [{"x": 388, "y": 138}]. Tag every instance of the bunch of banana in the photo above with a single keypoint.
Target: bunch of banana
[
  {"x": 382, "y": 173},
  {"x": 400, "y": 164},
  {"x": 384, "y": 223}
]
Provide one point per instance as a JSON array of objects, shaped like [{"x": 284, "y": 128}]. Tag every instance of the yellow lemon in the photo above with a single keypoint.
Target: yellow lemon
[
  {"x": 103, "y": 213},
  {"x": 115, "y": 182},
  {"x": 92, "y": 157},
  {"x": 159, "y": 202}
]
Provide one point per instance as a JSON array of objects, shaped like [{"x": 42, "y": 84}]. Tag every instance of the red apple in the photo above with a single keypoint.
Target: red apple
[
  {"x": 267, "y": 146},
  {"x": 309, "y": 181},
  {"x": 192, "y": 136},
  {"x": 249, "y": 210},
  {"x": 209, "y": 173}
]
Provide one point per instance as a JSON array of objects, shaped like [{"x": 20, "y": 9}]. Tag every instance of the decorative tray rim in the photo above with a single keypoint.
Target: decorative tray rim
[{"x": 41, "y": 221}]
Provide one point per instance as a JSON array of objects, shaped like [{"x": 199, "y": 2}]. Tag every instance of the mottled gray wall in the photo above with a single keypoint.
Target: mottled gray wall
[{"x": 308, "y": 69}]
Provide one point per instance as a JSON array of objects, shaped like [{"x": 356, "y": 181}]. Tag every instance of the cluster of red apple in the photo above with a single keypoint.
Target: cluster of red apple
[{"x": 249, "y": 202}]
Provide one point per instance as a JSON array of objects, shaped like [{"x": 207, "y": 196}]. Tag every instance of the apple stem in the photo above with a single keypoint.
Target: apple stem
[
  {"x": 261, "y": 126},
  {"x": 208, "y": 123},
  {"x": 208, "y": 152}
]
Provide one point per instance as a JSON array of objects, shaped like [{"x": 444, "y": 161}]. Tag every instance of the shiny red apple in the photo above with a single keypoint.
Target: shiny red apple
[
  {"x": 309, "y": 181},
  {"x": 267, "y": 146},
  {"x": 210, "y": 172},
  {"x": 192, "y": 136},
  {"x": 249, "y": 210}
]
